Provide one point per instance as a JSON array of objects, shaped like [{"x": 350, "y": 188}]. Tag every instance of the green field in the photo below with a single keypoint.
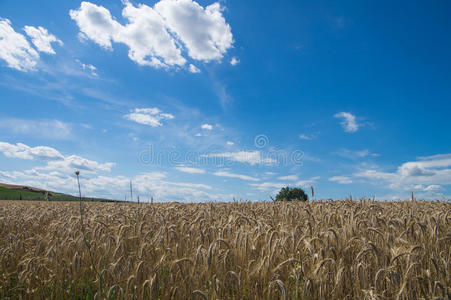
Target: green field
[{"x": 12, "y": 194}]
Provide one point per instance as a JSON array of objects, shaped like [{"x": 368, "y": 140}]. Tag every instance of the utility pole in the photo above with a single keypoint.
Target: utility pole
[{"x": 131, "y": 191}]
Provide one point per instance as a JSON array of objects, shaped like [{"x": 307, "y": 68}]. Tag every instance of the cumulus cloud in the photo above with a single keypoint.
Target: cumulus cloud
[
  {"x": 341, "y": 179},
  {"x": 148, "y": 116},
  {"x": 15, "y": 49},
  {"x": 207, "y": 126},
  {"x": 157, "y": 36},
  {"x": 190, "y": 170},
  {"x": 55, "y": 160},
  {"x": 233, "y": 175},
  {"x": 73, "y": 162},
  {"x": 146, "y": 185},
  {"x": 250, "y": 157},
  {"x": 229, "y": 143},
  {"x": 349, "y": 122},
  {"x": 430, "y": 171},
  {"x": 42, "y": 39},
  {"x": 23, "y": 151},
  {"x": 204, "y": 31}
]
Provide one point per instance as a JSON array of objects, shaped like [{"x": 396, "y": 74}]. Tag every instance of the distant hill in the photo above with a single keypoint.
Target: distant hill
[{"x": 22, "y": 192}]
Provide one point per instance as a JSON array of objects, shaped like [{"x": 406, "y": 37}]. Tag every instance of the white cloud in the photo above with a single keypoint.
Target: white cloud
[
  {"x": 349, "y": 122},
  {"x": 233, "y": 175},
  {"x": 308, "y": 182},
  {"x": 190, "y": 170},
  {"x": 308, "y": 137},
  {"x": 74, "y": 162},
  {"x": 198, "y": 134},
  {"x": 96, "y": 23},
  {"x": 431, "y": 171},
  {"x": 23, "y": 151},
  {"x": 148, "y": 116},
  {"x": 204, "y": 31},
  {"x": 250, "y": 157},
  {"x": 88, "y": 67},
  {"x": 350, "y": 154},
  {"x": 234, "y": 61},
  {"x": 264, "y": 186},
  {"x": 146, "y": 185},
  {"x": 157, "y": 36},
  {"x": 15, "y": 49},
  {"x": 289, "y": 177},
  {"x": 206, "y": 126},
  {"x": 433, "y": 188},
  {"x": 341, "y": 179},
  {"x": 55, "y": 160},
  {"x": 229, "y": 143},
  {"x": 42, "y": 39},
  {"x": 193, "y": 69},
  {"x": 305, "y": 137},
  {"x": 48, "y": 129}
]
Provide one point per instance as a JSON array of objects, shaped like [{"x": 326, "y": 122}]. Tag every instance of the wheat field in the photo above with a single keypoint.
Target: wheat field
[{"x": 320, "y": 250}]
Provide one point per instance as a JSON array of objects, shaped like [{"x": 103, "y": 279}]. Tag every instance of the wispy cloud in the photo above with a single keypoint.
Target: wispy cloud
[
  {"x": 148, "y": 116},
  {"x": 289, "y": 177},
  {"x": 264, "y": 186},
  {"x": 88, "y": 67},
  {"x": 341, "y": 179},
  {"x": 349, "y": 122},
  {"x": 47, "y": 129},
  {"x": 250, "y": 157},
  {"x": 190, "y": 170},
  {"x": 355, "y": 154},
  {"x": 233, "y": 175},
  {"x": 308, "y": 137}
]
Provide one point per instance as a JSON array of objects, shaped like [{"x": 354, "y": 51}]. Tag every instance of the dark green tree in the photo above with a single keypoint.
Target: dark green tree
[{"x": 291, "y": 194}]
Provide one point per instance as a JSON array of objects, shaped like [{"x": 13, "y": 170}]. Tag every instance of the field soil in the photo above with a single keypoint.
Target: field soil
[{"x": 320, "y": 250}]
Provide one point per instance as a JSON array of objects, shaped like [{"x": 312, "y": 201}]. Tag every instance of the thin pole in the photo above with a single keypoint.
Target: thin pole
[
  {"x": 131, "y": 191},
  {"x": 79, "y": 193}
]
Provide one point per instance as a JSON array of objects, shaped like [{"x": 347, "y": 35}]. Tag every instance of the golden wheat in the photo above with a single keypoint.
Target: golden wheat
[{"x": 336, "y": 250}]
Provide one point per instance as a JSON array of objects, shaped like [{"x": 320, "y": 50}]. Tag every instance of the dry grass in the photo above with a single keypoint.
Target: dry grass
[{"x": 337, "y": 250}]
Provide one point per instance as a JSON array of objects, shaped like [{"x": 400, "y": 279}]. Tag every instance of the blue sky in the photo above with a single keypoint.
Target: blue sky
[{"x": 210, "y": 101}]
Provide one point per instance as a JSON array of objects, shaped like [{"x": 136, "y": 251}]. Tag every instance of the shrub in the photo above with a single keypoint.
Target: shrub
[{"x": 291, "y": 194}]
